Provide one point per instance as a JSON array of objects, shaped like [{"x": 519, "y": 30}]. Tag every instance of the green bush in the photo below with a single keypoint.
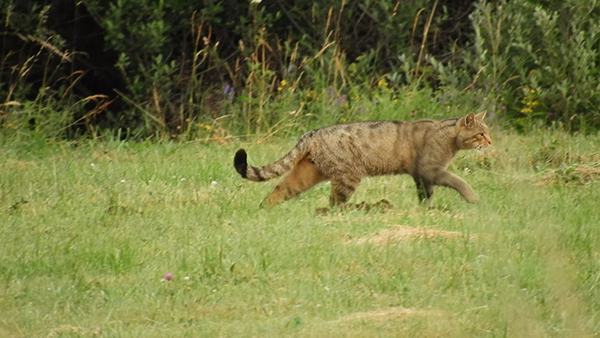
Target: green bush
[
  {"x": 185, "y": 64},
  {"x": 542, "y": 57},
  {"x": 187, "y": 69}
]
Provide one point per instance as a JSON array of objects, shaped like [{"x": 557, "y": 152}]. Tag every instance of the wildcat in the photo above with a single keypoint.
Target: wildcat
[{"x": 344, "y": 154}]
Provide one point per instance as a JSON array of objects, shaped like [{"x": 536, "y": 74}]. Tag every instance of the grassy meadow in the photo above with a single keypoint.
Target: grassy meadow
[{"x": 89, "y": 230}]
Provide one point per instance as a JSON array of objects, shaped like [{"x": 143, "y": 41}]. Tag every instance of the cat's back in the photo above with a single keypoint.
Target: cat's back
[
  {"x": 370, "y": 147},
  {"x": 375, "y": 132}
]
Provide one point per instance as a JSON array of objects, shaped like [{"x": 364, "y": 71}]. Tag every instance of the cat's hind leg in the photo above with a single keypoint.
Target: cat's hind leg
[
  {"x": 303, "y": 176},
  {"x": 342, "y": 189}
]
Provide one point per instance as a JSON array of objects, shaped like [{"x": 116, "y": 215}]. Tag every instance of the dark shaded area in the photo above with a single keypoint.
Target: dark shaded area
[
  {"x": 71, "y": 20},
  {"x": 65, "y": 57},
  {"x": 79, "y": 28}
]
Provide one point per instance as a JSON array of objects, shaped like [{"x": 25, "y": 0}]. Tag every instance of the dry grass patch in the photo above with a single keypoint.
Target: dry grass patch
[
  {"x": 581, "y": 174},
  {"x": 401, "y": 233},
  {"x": 393, "y": 313}
]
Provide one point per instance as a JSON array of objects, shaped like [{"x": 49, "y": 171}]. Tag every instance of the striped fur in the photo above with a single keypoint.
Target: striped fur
[
  {"x": 269, "y": 171},
  {"x": 344, "y": 154}
]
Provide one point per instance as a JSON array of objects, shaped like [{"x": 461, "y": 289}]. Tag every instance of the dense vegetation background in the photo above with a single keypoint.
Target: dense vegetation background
[{"x": 205, "y": 68}]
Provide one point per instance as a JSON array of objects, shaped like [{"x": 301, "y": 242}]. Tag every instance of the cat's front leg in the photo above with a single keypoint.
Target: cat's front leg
[
  {"x": 450, "y": 180},
  {"x": 424, "y": 190}
]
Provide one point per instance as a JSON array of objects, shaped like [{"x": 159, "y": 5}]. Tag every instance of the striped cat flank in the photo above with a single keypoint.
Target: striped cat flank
[{"x": 344, "y": 154}]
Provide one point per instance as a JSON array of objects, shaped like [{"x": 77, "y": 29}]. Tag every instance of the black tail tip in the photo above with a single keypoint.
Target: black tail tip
[{"x": 240, "y": 162}]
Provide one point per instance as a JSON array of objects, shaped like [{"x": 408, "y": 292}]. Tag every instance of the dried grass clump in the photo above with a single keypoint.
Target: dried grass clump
[
  {"x": 392, "y": 313},
  {"x": 580, "y": 175},
  {"x": 402, "y": 233}
]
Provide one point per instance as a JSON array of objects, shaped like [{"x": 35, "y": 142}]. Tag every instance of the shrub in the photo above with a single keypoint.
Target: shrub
[{"x": 542, "y": 57}]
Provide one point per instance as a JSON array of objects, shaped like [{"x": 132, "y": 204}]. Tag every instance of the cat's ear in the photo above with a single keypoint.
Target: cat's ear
[
  {"x": 481, "y": 115},
  {"x": 469, "y": 120}
]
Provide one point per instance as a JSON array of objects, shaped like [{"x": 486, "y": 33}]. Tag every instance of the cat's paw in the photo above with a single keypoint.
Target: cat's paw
[{"x": 472, "y": 198}]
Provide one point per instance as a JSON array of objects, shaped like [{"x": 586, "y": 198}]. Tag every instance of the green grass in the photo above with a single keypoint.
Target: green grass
[{"x": 87, "y": 234}]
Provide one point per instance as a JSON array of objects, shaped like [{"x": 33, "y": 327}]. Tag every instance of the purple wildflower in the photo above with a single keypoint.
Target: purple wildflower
[
  {"x": 443, "y": 100},
  {"x": 291, "y": 68},
  {"x": 451, "y": 96},
  {"x": 229, "y": 92},
  {"x": 503, "y": 107},
  {"x": 342, "y": 99},
  {"x": 362, "y": 109},
  {"x": 330, "y": 93}
]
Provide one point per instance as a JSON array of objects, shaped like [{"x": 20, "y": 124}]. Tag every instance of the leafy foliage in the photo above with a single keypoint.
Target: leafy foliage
[
  {"x": 547, "y": 49},
  {"x": 172, "y": 67}
]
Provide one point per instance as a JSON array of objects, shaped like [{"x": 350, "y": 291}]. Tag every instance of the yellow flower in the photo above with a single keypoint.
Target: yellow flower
[
  {"x": 283, "y": 83},
  {"x": 532, "y": 91},
  {"x": 279, "y": 88},
  {"x": 395, "y": 101},
  {"x": 343, "y": 120},
  {"x": 302, "y": 103},
  {"x": 382, "y": 83},
  {"x": 207, "y": 127}
]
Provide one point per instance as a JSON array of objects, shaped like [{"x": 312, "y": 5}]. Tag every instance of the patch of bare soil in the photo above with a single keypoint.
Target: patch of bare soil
[{"x": 401, "y": 233}]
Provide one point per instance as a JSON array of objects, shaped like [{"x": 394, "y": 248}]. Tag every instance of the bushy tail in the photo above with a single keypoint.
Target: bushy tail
[{"x": 269, "y": 171}]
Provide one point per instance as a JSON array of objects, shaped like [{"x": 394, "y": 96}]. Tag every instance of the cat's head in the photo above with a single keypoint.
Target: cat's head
[{"x": 473, "y": 133}]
